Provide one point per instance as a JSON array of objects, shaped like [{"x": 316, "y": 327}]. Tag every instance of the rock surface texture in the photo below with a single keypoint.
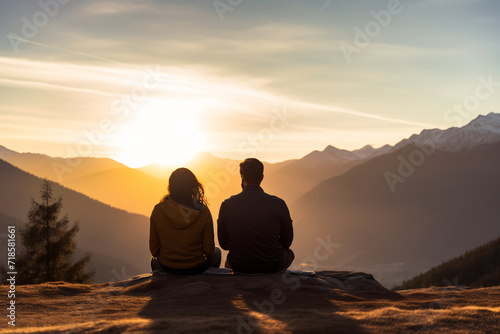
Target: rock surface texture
[{"x": 323, "y": 302}]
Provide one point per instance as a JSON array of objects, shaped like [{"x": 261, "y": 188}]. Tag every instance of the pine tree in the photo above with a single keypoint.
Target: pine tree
[{"x": 49, "y": 245}]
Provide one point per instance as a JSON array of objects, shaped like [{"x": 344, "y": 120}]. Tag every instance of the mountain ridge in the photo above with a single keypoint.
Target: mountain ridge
[
  {"x": 424, "y": 220},
  {"x": 106, "y": 230},
  {"x": 484, "y": 129},
  {"x": 477, "y": 268}
]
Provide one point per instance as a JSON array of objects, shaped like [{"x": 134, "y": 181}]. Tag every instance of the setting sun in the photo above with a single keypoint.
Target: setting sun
[
  {"x": 161, "y": 132},
  {"x": 250, "y": 166}
]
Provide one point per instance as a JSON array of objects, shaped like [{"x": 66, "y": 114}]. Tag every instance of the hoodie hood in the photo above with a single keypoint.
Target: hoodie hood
[{"x": 177, "y": 215}]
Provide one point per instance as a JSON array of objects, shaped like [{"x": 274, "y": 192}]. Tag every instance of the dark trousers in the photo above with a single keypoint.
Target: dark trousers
[
  {"x": 288, "y": 257},
  {"x": 211, "y": 261}
]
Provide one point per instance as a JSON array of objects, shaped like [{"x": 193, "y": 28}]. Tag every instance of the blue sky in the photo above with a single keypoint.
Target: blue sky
[{"x": 227, "y": 76}]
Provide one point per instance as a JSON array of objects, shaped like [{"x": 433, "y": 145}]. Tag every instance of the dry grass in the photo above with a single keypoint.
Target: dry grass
[{"x": 215, "y": 306}]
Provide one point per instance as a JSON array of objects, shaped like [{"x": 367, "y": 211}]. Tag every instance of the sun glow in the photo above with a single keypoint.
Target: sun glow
[{"x": 161, "y": 132}]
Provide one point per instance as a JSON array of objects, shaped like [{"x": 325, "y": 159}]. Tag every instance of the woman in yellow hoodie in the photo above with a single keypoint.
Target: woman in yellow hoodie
[{"x": 181, "y": 232}]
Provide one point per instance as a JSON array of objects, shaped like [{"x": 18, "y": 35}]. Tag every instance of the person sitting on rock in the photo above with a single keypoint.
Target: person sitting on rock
[
  {"x": 255, "y": 227},
  {"x": 181, "y": 228}
]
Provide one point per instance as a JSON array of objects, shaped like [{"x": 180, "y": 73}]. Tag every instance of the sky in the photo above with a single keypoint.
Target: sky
[{"x": 157, "y": 81}]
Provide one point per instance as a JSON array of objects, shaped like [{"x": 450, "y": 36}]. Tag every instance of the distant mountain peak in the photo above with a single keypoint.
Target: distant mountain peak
[
  {"x": 332, "y": 148},
  {"x": 366, "y": 148},
  {"x": 489, "y": 115},
  {"x": 332, "y": 154},
  {"x": 492, "y": 119},
  {"x": 484, "y": 129}
]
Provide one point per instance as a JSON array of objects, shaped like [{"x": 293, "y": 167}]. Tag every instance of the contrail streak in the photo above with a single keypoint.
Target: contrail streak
[
  {"x": 326, "y": 4},
  {"x": 300, "y": 104},
  {"x": 361, "y": 114}
]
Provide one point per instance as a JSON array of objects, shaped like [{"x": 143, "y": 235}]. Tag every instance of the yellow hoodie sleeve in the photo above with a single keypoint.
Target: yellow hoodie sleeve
[
  {"x": 208, "y": 244},
  {"x": 154, "y": 240}
]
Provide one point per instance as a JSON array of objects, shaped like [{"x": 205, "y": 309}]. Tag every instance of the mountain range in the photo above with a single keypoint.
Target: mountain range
[
  {"x": 117, "y": 240},
  {"x": 103, "y": 179},
  {"x": 447, "y": 206},
  {"x": 481, "y": 131},
  {"x": 444, "y": 203},
  {"x": 394, "y": 210}
]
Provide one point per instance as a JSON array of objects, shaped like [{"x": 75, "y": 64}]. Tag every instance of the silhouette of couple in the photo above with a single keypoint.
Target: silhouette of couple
[{"x": 253, "y": 226}]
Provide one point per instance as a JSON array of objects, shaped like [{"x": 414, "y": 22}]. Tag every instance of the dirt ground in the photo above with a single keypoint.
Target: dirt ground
[{"x": 250, "y": 304}]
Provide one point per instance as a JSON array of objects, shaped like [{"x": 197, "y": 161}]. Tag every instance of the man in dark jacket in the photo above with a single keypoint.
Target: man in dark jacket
[{"x": 255, "y": 227}]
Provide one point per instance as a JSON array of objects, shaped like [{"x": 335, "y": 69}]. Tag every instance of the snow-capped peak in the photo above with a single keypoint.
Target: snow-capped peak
[{"x": 480, "y": 131}]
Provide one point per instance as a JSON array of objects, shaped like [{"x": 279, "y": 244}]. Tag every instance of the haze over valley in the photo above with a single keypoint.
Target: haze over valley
[{"x": 394, "y": 211}]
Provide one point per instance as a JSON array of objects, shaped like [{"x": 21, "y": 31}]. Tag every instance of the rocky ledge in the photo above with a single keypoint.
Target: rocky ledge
[{"x": 221, "y": 302}]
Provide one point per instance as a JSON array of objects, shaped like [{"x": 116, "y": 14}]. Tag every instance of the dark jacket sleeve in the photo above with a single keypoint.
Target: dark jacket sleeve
[
  {"x": 154, "y": 239},
  {"x": 208, "y": 244},
  {"x": 221, "y": 230},
  {"x": 286, "y": 234}
]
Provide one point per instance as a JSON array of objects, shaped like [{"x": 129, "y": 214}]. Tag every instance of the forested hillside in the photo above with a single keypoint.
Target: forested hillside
[{"x": 477, "y": 268}]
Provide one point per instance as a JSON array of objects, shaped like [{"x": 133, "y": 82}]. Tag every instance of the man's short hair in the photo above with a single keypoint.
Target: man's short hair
[{"x": 252, "y": 171}]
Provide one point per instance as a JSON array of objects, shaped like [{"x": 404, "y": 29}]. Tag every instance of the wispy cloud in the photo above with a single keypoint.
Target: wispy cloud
[
  {"x": 265, "y": 55},
  {"x": 13, "y": 37},
  {"x": 117, "y": 8},
  {"x": 48, "y": 86}
]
